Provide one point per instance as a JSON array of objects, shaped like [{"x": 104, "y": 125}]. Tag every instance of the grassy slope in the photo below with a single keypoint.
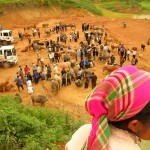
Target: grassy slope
[
  {"x": 87, "y": 5},
  {"x": 110, "y": 14},
  {"x": 80, "y": 3},
  {"x": 145, "y": 5},
  {"x": 118, "y": 6}
]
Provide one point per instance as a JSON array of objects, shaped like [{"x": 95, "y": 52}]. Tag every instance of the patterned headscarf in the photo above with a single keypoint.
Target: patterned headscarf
[{"x": 118, "y": 97}]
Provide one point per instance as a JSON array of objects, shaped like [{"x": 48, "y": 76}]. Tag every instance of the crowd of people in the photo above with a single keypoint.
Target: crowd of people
[
  {"x": 120, "y": 111},
  {"x": 94, "y": 48},
  {"x": 116, "y": 104}
]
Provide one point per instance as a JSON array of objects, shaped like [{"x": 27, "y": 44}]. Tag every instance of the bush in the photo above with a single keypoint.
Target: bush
[{"x": 33, "y": 128}]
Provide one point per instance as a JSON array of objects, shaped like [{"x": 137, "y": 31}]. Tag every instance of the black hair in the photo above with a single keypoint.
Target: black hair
[{"x": 143, "y": 116}]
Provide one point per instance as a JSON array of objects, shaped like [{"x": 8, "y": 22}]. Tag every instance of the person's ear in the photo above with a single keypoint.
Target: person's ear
[{"x": 135, "y": 126}]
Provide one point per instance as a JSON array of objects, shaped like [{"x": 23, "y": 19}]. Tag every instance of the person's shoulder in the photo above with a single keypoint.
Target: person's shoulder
[
  {"x": 121, "y": 139},
  {"x": 79, "y": 138},
  {"x": 86, "y": 127},
  {"x": 116, "y": 144}
]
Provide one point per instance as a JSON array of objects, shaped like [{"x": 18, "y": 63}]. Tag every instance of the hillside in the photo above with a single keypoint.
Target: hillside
[{"x": 16, "y": 16}]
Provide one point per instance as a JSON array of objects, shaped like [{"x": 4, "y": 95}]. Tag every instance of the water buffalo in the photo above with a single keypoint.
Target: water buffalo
[{"x": 39, "y": 99}]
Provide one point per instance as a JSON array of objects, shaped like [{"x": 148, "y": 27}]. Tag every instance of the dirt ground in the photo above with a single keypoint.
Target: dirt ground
[{"x": 70, "y": 98}]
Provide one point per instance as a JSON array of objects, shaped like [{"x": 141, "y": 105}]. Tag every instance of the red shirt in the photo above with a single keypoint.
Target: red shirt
[{"x": 26, "y": 70}]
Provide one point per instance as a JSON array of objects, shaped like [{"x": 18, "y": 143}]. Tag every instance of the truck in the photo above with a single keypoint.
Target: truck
[
  {"x": 8, "y": 56},
  {"x": 6, "y": 37}
]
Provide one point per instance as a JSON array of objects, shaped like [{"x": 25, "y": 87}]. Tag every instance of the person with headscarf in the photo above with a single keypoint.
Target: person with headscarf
[{"x": 120, "y": 107}]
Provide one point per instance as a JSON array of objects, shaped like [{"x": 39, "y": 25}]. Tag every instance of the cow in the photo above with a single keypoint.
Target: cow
[
  {"x": 72, "y": 25},
  {"x": 26, "y": 35},
  {"x": 47, "y": 32},
  {"x": 109, "y": 39},
  {"x": 27, "y": 48},
  {"x": 72, "y": 53},
  {"x": 41, "y": 43},
  {"x": 39, "y": 99},
  {"x": 36, "y": 46},
  {"x": 104, "y": 57},
  {"x": 110, "y": 68},
  {"x": 8, "y": 87},
  {"x": 3, "y": 85},
  {"x": 58, "y": 79},
  {"x": 45, "y": 25},
  {"x": 65, "y": 64},
  {"x": 98, "y": 28},
  {"x": 54, "y": 86},
  {"x": 26, "y": 28},
  {"x": 73, "y": 62},
  {"x": 114, "y": 46},
  {"x": 134, "y": 48},
  {"x": 29, "y": 27},
  {"x": 141, "y": 56}
]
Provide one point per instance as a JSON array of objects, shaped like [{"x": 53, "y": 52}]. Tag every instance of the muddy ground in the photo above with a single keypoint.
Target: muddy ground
[{"x": 70, "y": 98}]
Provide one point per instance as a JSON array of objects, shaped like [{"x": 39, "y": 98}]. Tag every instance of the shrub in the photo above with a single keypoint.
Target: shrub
[{"x": 29, "y": 128}]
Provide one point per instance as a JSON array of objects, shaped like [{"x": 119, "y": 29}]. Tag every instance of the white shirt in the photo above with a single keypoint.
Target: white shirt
[
  {"x": 70, "y": 36},
  {"x": 93, "y": 41},
  {"x": 45, "y": 70},
  {"x": 50, "y": 49},
  {"x": 29, "y": 83},
  {"x": 91, "y": 65},
  {"x": 30, "y": 89},
  {"x": 56, "y": 69},
  {"x": 118, "y": 140},
  {"x": 78, "y": 138},
  {"x": 51, "y": 55},
  {"x": 35, "y": 31},
  {"x": 38, "y": 69},
  {"x": 34, "y": 67},
  {"x": 134, "y": 52},
  {"x": 105, "y": 48},
  {"x": 71, "y": 71},
  {"x": 128, "y": 51}
]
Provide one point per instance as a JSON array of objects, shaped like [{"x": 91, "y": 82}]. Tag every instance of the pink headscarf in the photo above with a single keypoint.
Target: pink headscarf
[{"x": 120, "y": 96}]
